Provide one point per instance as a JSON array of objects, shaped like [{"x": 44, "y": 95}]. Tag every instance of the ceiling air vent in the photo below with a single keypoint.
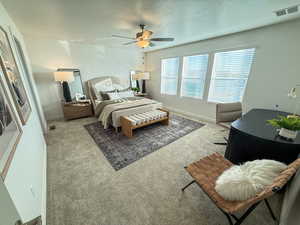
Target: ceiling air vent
[
  {"x": 287, "y": 11},
  {"x": 281, "y": 12},
  {"x": 292, "y": 9}
]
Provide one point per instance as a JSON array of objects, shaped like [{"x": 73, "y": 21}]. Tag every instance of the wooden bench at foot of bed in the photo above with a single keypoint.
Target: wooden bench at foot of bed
[{"x": 129, "y": 123}]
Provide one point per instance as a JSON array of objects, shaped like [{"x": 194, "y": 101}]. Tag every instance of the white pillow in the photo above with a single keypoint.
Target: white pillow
[
  {"x": 119, "y": 87},
  {"x": 113, "y": 96},
  {"x": 126, "y": 94},
  {"x": 242, "y": 182},
  {"x": 104, "y": 85},
  {"x": 97, "y": 102}
]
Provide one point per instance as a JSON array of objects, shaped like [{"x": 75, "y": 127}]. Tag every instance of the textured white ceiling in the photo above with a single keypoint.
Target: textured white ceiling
[{"x": 94, "y": 21}]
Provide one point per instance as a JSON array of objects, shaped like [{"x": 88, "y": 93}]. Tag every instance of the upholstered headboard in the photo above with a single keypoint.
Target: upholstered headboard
[{"x": 92, "y": 82}]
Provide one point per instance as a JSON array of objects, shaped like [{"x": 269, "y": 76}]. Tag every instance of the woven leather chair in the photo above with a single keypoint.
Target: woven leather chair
[
  {"x": 206, "y": 171},
  {"x": 226, "y": 113}
]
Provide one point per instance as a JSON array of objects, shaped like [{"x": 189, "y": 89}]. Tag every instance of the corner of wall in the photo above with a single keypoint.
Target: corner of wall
[{"x": 44, "y": 189}]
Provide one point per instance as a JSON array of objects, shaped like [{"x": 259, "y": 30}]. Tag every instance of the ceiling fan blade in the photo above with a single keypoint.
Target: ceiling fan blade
[
  {"x": 131, "y": 42},
  {"x": 120, "y": 36},
  {"x": 162, "y": 39}
]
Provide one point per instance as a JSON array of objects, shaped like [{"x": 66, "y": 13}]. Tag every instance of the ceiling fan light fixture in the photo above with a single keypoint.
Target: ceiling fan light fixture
[
  {"x": 146, "y": 34},
  {"x": 143, "y": 38},
  {"x": 143, "y": 43}
]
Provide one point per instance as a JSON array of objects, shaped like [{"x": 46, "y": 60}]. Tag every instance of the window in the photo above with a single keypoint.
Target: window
[
  {"x": 193, "y": 76},
  {"x": 230, "y": 74},
  {"x": 169, "y": 76}
]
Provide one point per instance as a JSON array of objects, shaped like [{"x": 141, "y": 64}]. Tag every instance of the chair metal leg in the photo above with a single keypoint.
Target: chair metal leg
[
  {"x": 270, "y": 210},
  {"x": 228, "y": 218},
  {"x": 182, "y": 189},
  {"x": 234, "y": 217},
  {"x": 242, "y": 218},
  {"x": 222, "y": 143}
]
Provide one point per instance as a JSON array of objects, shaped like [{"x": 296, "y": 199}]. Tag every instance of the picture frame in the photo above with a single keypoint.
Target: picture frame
[
  {"x": 10, "y": 129},
  {"x": 13, "y": 77},
  {"x": 20, "y": 54}
]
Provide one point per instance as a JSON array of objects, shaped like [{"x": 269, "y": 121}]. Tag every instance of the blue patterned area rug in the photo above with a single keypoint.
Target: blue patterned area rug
[{"x": 121, "y": 151}]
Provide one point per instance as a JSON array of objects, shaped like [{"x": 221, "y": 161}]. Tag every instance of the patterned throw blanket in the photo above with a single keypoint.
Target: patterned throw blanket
[{"x": 106, "y": 113}]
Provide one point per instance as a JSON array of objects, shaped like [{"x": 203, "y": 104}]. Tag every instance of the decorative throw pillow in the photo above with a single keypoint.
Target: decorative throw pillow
[
  {"x": 126, "y": 94},
  {"x": 242, "y": 182},
  {"x": 104, "y": 85},
  {"x": 104, "y": 94},
  {"x": 113, "y": 96},
  {"x": 125, "y": 89}
]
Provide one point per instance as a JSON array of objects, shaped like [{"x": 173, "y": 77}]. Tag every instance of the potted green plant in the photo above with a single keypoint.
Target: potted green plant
[
  {"x": 136, "y": 89},
  {"x": 289, "y": 125}
]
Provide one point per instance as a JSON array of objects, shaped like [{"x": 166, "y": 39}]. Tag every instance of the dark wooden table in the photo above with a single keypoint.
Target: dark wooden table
[{"x": 251, "y": 137}]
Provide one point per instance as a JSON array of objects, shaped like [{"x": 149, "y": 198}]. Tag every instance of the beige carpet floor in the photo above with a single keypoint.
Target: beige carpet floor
[{"x": 83, "y": 188}]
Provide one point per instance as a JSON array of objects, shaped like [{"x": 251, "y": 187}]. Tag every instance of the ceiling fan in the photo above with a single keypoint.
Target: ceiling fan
[{"x": 143, "y": 39}]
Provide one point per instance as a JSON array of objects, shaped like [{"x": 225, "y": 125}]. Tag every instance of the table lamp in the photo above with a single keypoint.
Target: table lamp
[
  {"x": 64, "y": 77},
  {"x": 141, "y": 76}
]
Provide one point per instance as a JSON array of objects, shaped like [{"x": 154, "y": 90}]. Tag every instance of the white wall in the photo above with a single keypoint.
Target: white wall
[
  {"x": 26, "y": 172},
  {"x": 91, "y": 58},
  {"x": 9, "y": 213},
  {"x": 275, "y": 70}
]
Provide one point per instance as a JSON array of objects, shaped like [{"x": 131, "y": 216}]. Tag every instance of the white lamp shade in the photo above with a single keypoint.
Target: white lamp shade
[
  {"x": 141, "y": 76},
  {"x": 145, "y": 76},
  {"x": 64, "y": 76},
  {"x": 135, "y": 76}
]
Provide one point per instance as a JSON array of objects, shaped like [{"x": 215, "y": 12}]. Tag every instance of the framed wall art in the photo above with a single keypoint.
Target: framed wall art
[
  {"x": 21, "y": 55},
  {"x": 13, "y": 77},
  {"x": 10, "y": 130}
]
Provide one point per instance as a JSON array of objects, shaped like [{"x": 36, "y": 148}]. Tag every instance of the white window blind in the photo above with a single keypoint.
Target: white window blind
[
  {"x": 169, "y": 76},
  {"x": 193, "y": 76},
  {"x": 230, "y": 74}
]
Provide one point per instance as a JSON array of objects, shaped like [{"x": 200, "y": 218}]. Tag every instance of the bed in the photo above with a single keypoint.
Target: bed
[{"x": 109, "y": 112}]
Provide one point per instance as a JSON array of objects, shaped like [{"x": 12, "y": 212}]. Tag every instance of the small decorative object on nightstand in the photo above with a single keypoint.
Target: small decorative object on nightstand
[
  {"x": 145, "y": 95},
  {"x": 76, "y": 110}
]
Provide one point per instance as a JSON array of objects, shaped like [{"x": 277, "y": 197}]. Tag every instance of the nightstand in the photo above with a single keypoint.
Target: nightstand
[{"x": 76, "y": 110}]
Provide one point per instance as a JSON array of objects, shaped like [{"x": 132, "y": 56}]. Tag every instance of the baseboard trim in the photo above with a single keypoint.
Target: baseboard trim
[{"x": 189, "y": 114}]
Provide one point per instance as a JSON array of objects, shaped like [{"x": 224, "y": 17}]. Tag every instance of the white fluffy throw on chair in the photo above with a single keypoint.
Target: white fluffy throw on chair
[{"x": 239, "y": 183}]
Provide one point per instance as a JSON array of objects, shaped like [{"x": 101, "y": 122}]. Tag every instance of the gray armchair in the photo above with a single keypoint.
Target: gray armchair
[{"x": 226, "y": 113}]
